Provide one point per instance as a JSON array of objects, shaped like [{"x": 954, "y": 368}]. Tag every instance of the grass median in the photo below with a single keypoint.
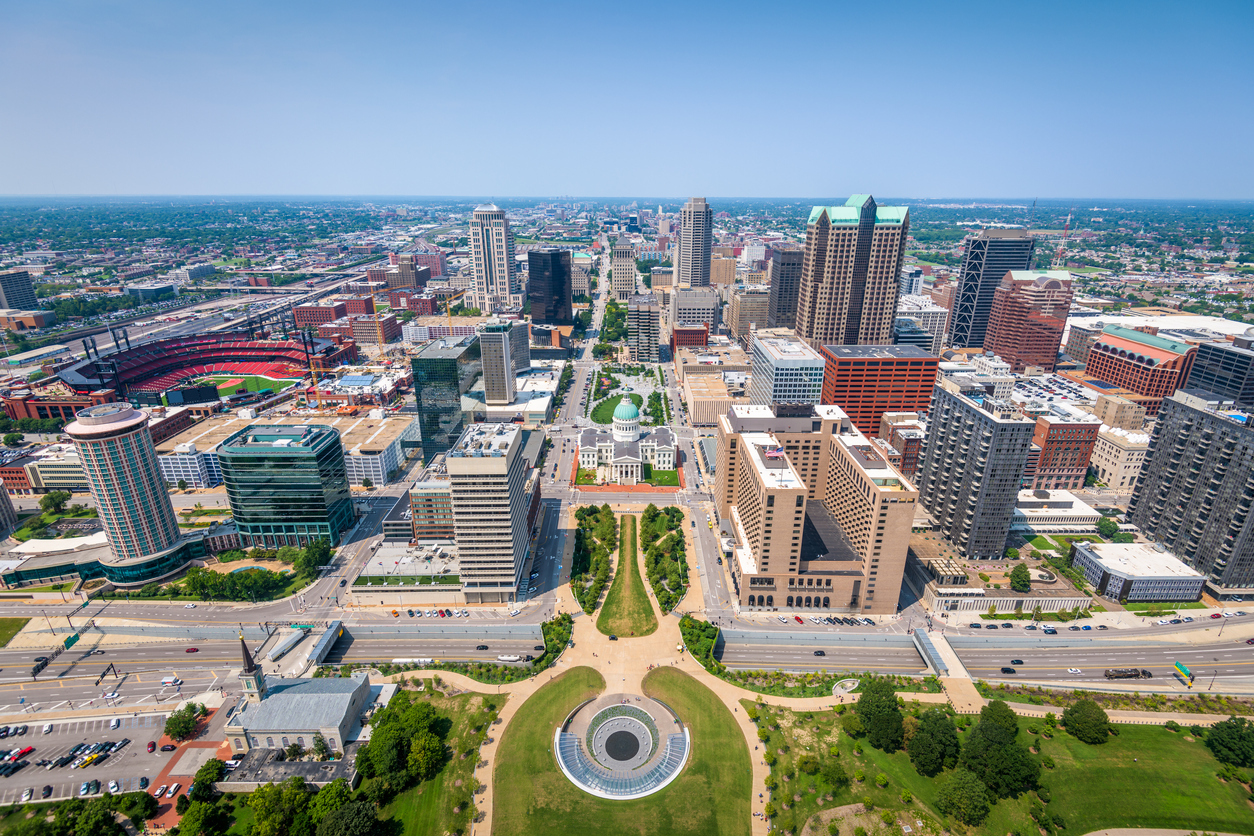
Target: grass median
[{"x": 627, "y": 611}]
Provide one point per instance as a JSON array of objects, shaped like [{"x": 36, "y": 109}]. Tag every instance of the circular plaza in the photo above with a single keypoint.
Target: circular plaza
[{"x": 621, "y": 746}]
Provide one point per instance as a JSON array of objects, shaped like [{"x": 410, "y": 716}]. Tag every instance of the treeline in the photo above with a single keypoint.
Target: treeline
[
  {"x": 595, "y": 539},
  {"x": 664, "y": 556}
]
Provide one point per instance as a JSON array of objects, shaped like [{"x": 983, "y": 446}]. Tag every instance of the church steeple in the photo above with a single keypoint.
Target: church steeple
[{"x": 251, "y": 676}]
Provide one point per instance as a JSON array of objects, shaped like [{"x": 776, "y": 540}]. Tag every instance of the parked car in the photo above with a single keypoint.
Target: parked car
[
  {"x": 975, "y": 625},
  {"x": 152, "y": 746},
  {"x": 160, "y": 793},
  {"x": 169, "y": 747},
  {"x": 46, "y": 791},
  {"x": 143, "y": 783}
]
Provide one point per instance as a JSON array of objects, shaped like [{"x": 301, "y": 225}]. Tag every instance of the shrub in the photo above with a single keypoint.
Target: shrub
[
  {"x": 1034, "y": 729},
  {"x": 906, "y": 796},
  {"x": 859, "y": 831},
  {"x": 887, "y": 816},
  {"x": 1086, "y": 720},
  {"x": 1171, "y": 726},
  {"x": 1047, "y": 762},
  {"x": 1043, "y": 794},
  {"x": 808, "y": 764},
  {"x": 1197, "y": 731},
  {"x": 859, "y": 775},
  {"x": 868, "y": 803},
  {"x": 833, "y": 828},
  {"x": 857, "y": 748},
  {"x": 770, "y": 758},
  {"x": 881, "y": 780}
]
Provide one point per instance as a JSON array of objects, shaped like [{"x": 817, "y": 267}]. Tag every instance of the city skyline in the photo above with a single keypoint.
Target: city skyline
[{"x": 273, "y": 100}]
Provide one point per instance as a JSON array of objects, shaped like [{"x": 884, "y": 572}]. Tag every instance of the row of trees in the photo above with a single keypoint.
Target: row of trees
[
  {"x": 614, "y": 323},
  {"x": 595, "y": 539},
  {"x": 406, "y": 747},
  {"x": 77, "y": 817},
  {"x": 664, "y": 554},
  {"x": 254, "y": 584},
  {"x": 286, "y": 809}
]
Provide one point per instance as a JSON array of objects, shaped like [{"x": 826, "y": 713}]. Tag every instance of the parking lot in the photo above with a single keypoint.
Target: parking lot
[{"x": 126, "y": 767}]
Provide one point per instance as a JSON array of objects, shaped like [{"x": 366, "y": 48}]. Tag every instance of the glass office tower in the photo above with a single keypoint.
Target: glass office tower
[
  {"x": 443, "y": 372},
  {"x": 549, "y": 286},
  {"x": 287, "y": 485}
]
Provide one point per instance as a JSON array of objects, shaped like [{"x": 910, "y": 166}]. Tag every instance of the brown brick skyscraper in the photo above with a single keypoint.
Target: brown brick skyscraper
[{"x": 1028, "y": 317}]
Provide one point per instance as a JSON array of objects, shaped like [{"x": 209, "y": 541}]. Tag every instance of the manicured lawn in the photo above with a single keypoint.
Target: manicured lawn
[
  {"x": 1171, "y": 784},
  {"x": 586, "y": 476},
  {"x": 665, "y": 477},
  {"x": 603, "y": 413},
  {"x": 711, "y": 796},
  {"x": 64, "y": 586},
  {"x": 251, "y": 382},
  {"x": 9, "y": 627},
  {"x": 627, "y": 611},
  {"x": 428, "y": 807}
]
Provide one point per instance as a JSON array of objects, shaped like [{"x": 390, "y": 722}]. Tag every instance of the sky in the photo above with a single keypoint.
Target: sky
[{"x": 1102, "y": 98}]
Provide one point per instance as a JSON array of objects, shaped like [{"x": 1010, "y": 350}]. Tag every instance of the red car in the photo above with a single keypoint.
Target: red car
[
  {"x": 193, "y": 650},
  {"x": 798, "y": 619},
  {"x": 152, "y": 747},
  {"x": 1214, "y": 615},
  {"x": 441, "y": 612}
]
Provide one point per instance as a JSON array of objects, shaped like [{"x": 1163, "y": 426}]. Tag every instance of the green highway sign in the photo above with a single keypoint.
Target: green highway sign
[
  {"x": 70, "y": 641},
  {"x": 1183, "y": 670}
]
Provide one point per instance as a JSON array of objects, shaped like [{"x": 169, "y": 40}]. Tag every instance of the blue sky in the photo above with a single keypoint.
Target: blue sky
[{"x": 929, "y": 99}]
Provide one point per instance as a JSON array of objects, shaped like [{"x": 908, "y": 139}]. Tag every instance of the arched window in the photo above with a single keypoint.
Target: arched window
[
  {"x": 270, "y": 742},
  {"x": 255, "y": 742},
  {"x": 285, "y": 743},
  {"x": 770, "y": 600},
  {"x": 300, "y": 741},
  {"x": 807, "y": 600},
  {"x": 790, "y": 600},
  {"x": 827, "y": 603},
  {"x": 331, "y": 743},
  {"x": 237, "y": 744}
]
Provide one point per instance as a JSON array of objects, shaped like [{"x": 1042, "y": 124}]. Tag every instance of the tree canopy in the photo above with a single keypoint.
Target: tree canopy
[
  {"x": 877, "y": 708},
  {"x": 1087, "y": 722},
  {"x": 962, "y": 795},
  {"x": 994, "y": 756},
  {"x": 1231, "y": 741},
  {"x": 934, "y": 746},
  {"x": 1021, "y": 578}
]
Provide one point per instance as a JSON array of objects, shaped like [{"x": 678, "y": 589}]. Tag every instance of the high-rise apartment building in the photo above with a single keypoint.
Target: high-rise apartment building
[
  {"x": 698, "y": 306},
  {"x": 909, "y": 332},
  {"x": 1150, "y": 366},
  {"x": 853, "y": 257},
  {"x": 287, "y": 484},
  {"x": 1196, "y": 489},
  {"x": 644, "y": 326},
  {"x": 785, "y": 280},
  {"x": 549, "y": 286},
  {"x": 1114, "y": 411},
  {"x": 820, "y": 519},
  {"x": 972, "y": 465},
  {"x": 120, "y": 465},
  {"x": 1028, "y": 317},
  {"x": 867, "y": 381},
  {"x": 748, "y": 311},
  {"x": 1227, "y": 369},
  {"x": 988, "y": 258},
  {"x": 492, "y": 258},
  {"x": 930, "y": 316},
  {"x": 444, "y": 370},
  {"x": 1080, "y": 338},
  {"x": 505, "y": 351},
  {"x": 431, "y": 509},
  {"x": 906, "y": 433},
  {"x": 785, "y": 371},
  {"x": 622, "y": 269},
  {"x": 1118, "y": 456},
  {"x": 693, "y": 243},
  {"x": 1066, "y": 440},
  {"x": 722, "y": 271},
  {"x": 16, "y": 291},
  {"x": 488, "y": 475}
]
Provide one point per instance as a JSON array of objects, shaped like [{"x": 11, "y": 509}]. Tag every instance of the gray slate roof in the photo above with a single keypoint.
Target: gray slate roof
[{"x": 299, "y": 704}]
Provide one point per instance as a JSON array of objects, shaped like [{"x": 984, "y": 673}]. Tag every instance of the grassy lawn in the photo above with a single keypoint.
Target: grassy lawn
[
  {"x": 428, "y": 807},
  {"x": 252, "y": 383},
  {"x": 603, "y": 413},
  {"x": 64, "y": 586},
  {"x": 627, "y": 611},
  {"x": 1172, "y": 783},
  {"x": 35, "y": 521},
  {"x": 9, "y": 627},
  {"x": 586, "y": 476},
  {"x": 665, "y": 477},
  {"x": 710, "y": 797}
]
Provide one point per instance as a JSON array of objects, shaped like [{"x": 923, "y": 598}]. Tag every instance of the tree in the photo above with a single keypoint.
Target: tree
[
  {"x": 288, "y": 554},
  {"x": 329, "y": 799},
  {"x": 426, "y": 756},
  {"x": 212, "y": 771},
  {"x": 97, "y": 820},
  {"x": 182, "y": 484},
  {"x": 1108, "y": 527},
  {"x": 877, "y": 708},
  {"x": 357, "y": 818},
  {"x": 1021, "y": 578},
  {"x": 1012, "y": 554},
  {"x": 834, "y": 774},
  {"x": 1231, "y": 741},
  {"x": 203, "y": 819},
  {"x": 995, "y": 757},
  {"x": 1087, "y": 722},
  {"x": 13, "y": 439},
  {"x": 278, "y": 809},
  {"x": 53, "y": 502},
  {"x": 963, "y": 796},
  {"x": 367, "y": 483},
  {"x": 181, "y": 724},
  {"x": 808, "y": 764},
  {"x": 320, "y": 748},
  {"x": 997, "y": 711},
  {"x": 293, "y": 752},
  {"x": 851, "y": 723},
  {"x": 934, "y": 747}
]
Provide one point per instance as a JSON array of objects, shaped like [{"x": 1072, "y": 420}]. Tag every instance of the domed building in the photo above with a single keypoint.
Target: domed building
[{"x": 619, "y": 456}]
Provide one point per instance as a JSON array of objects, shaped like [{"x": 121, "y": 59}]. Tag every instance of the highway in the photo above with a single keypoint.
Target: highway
[
  {"x": 904, "y": 660},
  {"x": 1206, "y": 661}
]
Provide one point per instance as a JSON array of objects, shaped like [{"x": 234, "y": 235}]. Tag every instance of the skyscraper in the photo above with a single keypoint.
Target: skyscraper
[
  {"x": 853, "y": 257},
  {"x": 693, "y": 243},
  {"x": 972, "y": 466},
  {"x": 644, "y": 318},
  {"x": 120, "y": 464},
  {"x": 488, "y": 475},
  {"x": 1194, "y": 492},
  {"x": 16, "y": 291},
  {"x": 867, "y": 381},
  {"x": 785, "y": 273},
  {"x": 1227, "y": 369},
  {"x": 492, "y": 257},
  {"x": 444, "y": 370},
  {"x": 785, "y": 371},
  {"x": 287, "y": 484},
  {"x": 1028, "y": 317},
  {"x": 506, "y": 352},
  {"x": 623, "y": 269},
  {"x": 748, "y": 311},
  {"x": 989, "y": 257},
  {"x": 549, "y": 286}
]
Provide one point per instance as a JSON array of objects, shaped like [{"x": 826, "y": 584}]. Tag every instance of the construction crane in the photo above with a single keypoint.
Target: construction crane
[{"x": 1062, "y": 245}]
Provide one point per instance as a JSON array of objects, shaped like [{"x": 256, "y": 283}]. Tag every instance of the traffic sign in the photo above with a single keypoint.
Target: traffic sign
[{"x": 70, "y": 641}]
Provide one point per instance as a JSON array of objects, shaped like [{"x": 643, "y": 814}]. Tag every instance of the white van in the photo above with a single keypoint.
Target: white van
[
  {"x": 115, "y": 723},
  {"x": 171, "y": 680}
]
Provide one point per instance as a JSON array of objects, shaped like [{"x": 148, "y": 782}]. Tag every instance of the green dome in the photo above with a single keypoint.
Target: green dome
[{"x": 626, "y": 411}]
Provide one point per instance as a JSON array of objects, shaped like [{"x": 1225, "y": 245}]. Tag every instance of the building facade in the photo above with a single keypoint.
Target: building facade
[
  {"x": 785, "y": 371},
  {"x": 1117, "y": 457},
  {"x": 853, "y": 256},
  {"x": 1028, "y": 317},
  {"x": 492, "y": 258},
  {"x": 695, "y": 307},
  {"x": 1080, "y": 338},
  {"x": 820, "y": 520},
  {"x": 622, "y": 269},
  {"x": 644, "y": 323},
  {"x": 1115, "y": 411},
  {"x": 866, "y": 381},
  {"x": 1129, "y": 572},
  {"x": 444, "y": 371},
  {"x": 930, "y": 316},
  {"x": 1227, "y": 369},
  {"x": 16, "y": 291},
  {"x": 549, "y": 286},
  {"x": 505, "y": 348},
  {"x": 1151, "y": 366},
  {"x": 620, "y": 456},
  {"x": 785, "y": 281},
  {"x": 431, "y": 506},
  {"x": 748, "y": 312},
  {"x": 988, "y": 258},
  {"x": 1066, "y": 443},
  {"x": 972, "y": 465},
  {"x": 693, "y": 243}
]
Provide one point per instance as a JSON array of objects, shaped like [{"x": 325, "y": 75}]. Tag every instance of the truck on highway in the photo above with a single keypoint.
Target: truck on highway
[
  {"x": 286, "y": 644},
  {"x": 1128, "y": 673},
  {"x": 509, "y": 658}
]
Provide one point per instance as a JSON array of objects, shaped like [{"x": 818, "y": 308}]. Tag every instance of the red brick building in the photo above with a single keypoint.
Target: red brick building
[
  {"x": 375, "y": 329},
  {"x": 1066, "y": 445},
  {"x": 1151, "y": 366},
  {"x": 413, "y": 299},
  {"x": 868, "y": 380},
  {"x": 358, "y": 305},
  {"x": 321, "y": 314},
  {"x": 1028, "y": 317},
  {"x": 61, "y": 406},
  {"x": 341, "y": 328},
  {"x": 689, "y": 336}
]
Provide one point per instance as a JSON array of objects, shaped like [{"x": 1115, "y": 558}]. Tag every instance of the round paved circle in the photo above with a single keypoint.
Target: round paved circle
[{"x": 622, "y": 745}]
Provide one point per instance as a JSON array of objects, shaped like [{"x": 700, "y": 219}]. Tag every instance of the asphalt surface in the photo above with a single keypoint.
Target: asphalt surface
[
  {"x": 1206, "y": 662},
  {"x": 776, "y": 657}
]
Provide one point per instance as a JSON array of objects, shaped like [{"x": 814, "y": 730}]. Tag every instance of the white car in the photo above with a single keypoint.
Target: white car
[
  {"x": 1163, "y": 621},
  {"x": 160, "y": 793},
  {"x": 782, "y": 620},
  {"x": 114, "y": 787},
  {"x": 1229, "y": 615},
  {"x": 113, "y": 695},
  {"x": 189, "y": 606},
  {"x": 1074, "y": 670},
  {"x": 27, "y": 794},
  {"x": 465, "y": 613},
  {"x": 174, "y": 790},
  {"x": 418, "y": 613}
]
